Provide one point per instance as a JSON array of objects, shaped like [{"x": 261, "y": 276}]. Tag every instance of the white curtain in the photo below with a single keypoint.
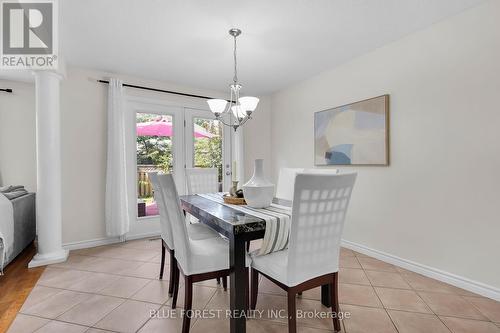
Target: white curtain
[{"x": 116, "y": 204}]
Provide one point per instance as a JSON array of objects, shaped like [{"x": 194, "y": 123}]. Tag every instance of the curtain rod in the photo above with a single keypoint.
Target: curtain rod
[
  {"x": 8, "y": 90},
  {"x": 159, "y": 90}
]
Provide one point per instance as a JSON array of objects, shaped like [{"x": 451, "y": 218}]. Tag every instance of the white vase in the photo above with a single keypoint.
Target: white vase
[{"x": 258, "y": 191}]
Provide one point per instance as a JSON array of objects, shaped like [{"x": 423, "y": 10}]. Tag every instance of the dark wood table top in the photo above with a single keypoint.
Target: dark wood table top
[{"x": 224, "y": 219}]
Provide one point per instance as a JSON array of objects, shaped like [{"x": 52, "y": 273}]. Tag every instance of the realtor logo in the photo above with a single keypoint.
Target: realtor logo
[{"x": 29, "y": 34}]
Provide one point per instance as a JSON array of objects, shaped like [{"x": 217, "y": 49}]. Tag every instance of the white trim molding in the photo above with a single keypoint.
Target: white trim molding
[
  {"x": 431, "y": 272},
  {"x": 106, "y": 241}
]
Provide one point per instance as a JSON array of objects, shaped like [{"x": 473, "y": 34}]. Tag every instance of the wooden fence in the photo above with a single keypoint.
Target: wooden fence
[{"x": 144, "y": 187}]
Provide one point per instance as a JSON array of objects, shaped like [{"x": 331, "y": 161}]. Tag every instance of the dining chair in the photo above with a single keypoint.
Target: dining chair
[
  {"x": 286, "y": 181},
  {"x": 198, "y": 260},
  {"x": 196, "y": 231},
  {"x": 202, "y": 180},
  {"x": 319, "y": 208},
  {"x": 199, "y": 181}
]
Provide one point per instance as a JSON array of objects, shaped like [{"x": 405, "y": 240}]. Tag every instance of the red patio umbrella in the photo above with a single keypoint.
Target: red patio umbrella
[{"x": 163, "y": 127}]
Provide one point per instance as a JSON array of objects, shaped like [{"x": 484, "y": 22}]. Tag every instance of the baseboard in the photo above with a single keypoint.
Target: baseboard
[
  {"x": 106, "y": 241},
  {"x": 91, "y": 243},
  {"x": 143, "y": 235},
  {"x": 450, "y": 278}
]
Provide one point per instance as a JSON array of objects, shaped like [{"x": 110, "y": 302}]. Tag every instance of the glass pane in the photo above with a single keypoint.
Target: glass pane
[
  {"x": 154, "y": 153},
  {"x": 207, "y": 144}
]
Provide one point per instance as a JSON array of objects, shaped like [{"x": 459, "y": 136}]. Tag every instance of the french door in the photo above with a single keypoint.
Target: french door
[
  {"x": 169, "y": 138},
  {"x": 208, "y": 144}
]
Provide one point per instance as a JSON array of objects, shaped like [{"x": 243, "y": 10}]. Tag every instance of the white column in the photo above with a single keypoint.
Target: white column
[{"x": 48, "y": 150}]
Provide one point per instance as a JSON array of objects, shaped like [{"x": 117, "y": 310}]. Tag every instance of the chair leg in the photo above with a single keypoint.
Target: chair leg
[
  {"x": 188, "y": 302},
  {"x": 334, "y": 289},
  {"x": 173, "y": 265},
  {"x": 218, "y": 280},
  {"x": 176, "y": 286},
  {"x": 224, "y": 283},
  {"x": 292, "y": 313},
  {"x": 162, "y": 260},
  {"x": 248, "y": 246},
  {"x": 247, "y": 291},
  {"x": 255, "y": 287}
]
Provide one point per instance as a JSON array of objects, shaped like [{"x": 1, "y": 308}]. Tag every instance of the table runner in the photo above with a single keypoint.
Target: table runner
[{"x": 277, "y": 219}]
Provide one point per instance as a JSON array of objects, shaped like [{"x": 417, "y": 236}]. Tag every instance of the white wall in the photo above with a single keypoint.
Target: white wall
[
  {"x": 17, "y": 135},
  {"x": 438, "y": 202},
  {"x": 258, "y": 139}
]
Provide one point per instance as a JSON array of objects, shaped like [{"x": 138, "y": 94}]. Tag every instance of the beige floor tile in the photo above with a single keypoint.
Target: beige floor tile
[
  {"x": 92, "y": 310},
  {"x": 346, "y": 252},
  {"x": 61, "y": 278},
  {"x": 314, "y": 294},
  {"x": 157, "y": 259},
  {"x": 487, "y": 307},
  {"x": 376, "y": 265},
  {"x": 253, "y": 326},
  {"x": 423, "y": 283},
  {"x": 358, "y": 295},
  {"x": 268, "y": 287},
  {"x": 96, "y": 330},
  {"x": 353, "y": 276},
  {"x": 306, "y": 310},
  {"x": 60, "y": 327},
  {"x": 450, "y": 305},
  {"x": 274, "y": 307},
  {"x": 128, "y": 317},
  {"x": 349, "y": 262},
  {"x": 399, "y": 299},
  {"x": 76, "y": 261},
  {"x": 94, "y": 282},
  {"x": 127, "y": 254},
  {"x": 114, "y": 266},
  {"x": 148, "y": 270},
  {"x": 39, "y": 294},
  {"x": 219, "y": 301},
  {"x": 201, "y": 296},
  {"x": 56, "y": 305},
  {"x": 366, "y": 320},
  {"x": 166, "y": 320},
  {"x": 124, "y": 287},
  {"x": 410, "y": 322},
  {"x": 211, "y": 325},
  {"x": 387, "y": 279},
  {"x": 459, "y": 325},
  {"x": 26, "y": 324},
  {"x": 156, "y": 291}
]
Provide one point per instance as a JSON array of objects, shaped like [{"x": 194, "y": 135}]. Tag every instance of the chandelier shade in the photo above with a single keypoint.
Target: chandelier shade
[
  {"x": 249, "y": 103},
  {"x": 217, "y": 105}
]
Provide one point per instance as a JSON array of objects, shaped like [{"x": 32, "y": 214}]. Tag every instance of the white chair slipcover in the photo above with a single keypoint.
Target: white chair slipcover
[{"x": 320, "y": 204}]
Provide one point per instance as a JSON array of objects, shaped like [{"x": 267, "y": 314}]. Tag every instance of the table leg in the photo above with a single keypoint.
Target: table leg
[
  {"x": 238, "y": 287},
  {"x": 326, "y": 295}
]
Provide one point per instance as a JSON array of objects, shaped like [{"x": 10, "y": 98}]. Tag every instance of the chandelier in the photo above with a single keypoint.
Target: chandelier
[{"x": 238, "y": 109}]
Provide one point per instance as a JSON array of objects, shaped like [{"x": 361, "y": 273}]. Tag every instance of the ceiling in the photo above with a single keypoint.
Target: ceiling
[{"x": 283, "y": 41}]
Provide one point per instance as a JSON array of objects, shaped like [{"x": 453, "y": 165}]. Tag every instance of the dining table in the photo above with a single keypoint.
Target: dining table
[{"x": 239, "y": 228}]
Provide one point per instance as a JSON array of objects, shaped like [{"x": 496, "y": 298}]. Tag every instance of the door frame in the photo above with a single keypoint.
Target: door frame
[
  {"x": 141, "y": 227},
  {"x": 189, "y": 114}
]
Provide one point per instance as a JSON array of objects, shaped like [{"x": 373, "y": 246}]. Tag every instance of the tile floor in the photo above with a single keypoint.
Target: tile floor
[{"x": 114, "y": 288}]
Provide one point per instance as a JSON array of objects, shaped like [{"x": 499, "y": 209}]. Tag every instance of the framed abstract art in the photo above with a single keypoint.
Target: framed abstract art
[{"x": 353, "y": 134}]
